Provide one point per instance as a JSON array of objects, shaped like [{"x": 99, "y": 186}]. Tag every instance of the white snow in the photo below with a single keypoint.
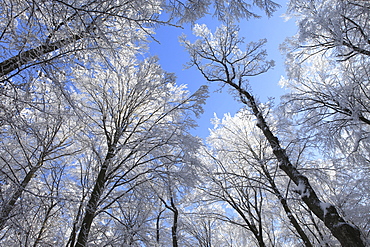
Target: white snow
[{"x": 324, "y": 206}]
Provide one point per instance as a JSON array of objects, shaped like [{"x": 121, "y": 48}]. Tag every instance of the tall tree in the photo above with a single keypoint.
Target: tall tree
[
  {"x": 79, "y": 129},
  {"x": 219, "y": 58},
  {"x": 35, "y": 137},
  {"x": 247, "y": 175},
  {"x": 328, "y": 81},
  {"x": 135, "y": 111}
]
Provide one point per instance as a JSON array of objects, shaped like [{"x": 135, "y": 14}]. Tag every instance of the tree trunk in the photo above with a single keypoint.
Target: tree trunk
[
  {"x": 92, "y": 205},
  {"x": 23, "y": 58},
  {"x": 251, "y": 225},
  {"x": 72, "y": 237},
  {"x": 174, "y": 224},
  {"x": 158, "y": 225},
  {"x": 347, "y": 234},
  {"x": 287, "y": 210},
  {"x": 9, "y": 206}
]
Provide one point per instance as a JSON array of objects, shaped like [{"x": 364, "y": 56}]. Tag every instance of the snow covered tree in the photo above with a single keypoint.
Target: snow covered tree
[
  {"x": 341, "y": 27},
  {"x": 35, "y": 141},
  {"x": 88, "y": 126},
  {"x": 35, "y": 33},
  {"x": 136, "y": 122},
  {"x": 220, "y": 59},
  {"x": 38, "y": 32},
  {"x": 246, "y": 173},
  {"x": 328, "y": 79}
]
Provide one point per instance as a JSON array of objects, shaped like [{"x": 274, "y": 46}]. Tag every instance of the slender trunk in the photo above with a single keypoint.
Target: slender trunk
[
  {"x": 347, "y": 234},
  {"x": 318, "y": 229},
  {"x": 9, "y": 206},
  {"x": 175, "y": 212},
  {"x": 25, "y": 57},
  {"x": 261, "y": 242},
  {"x": 287, "y": 210},
  {"x": 91, "y": 208},
  {"x": 158, "y": 225},
  {"x": 251, "y": 226},
  {"x": 93, "y": 202},
  {"x": 174, "y": 224},
  {"x": 44, "y": 225},
  {"x": 72, "y": 237},
  {"x": 294, "y": 221}
]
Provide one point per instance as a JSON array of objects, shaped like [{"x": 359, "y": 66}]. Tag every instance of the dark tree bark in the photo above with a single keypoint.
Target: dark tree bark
[
  {"x": 9, "y": 205},
  {"x": 175, "y": 212},
  {"x": 25, "y": 57},
  {"x": 287, "y": 210},
  {"x": 93, "y": 202},
  {"x": 226, "y": 67},
  {"x": 174, "y": 223},
  {"x": 347, "y": 234},
  {"x": 157, "y": 224}
]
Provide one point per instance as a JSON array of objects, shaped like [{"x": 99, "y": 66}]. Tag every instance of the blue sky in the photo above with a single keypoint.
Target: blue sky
[{"x": 173, "y": 57}]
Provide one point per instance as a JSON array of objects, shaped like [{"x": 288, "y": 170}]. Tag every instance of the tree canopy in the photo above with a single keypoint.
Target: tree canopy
[{"x": 96, "y": 146}]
